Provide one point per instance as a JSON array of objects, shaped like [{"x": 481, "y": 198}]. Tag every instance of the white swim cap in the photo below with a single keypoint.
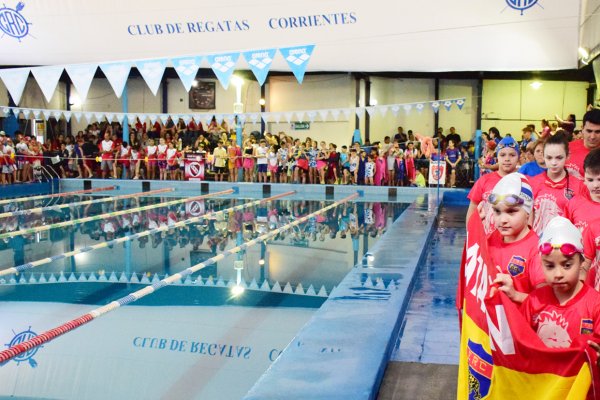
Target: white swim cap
[{"x": 513, "y": 189}]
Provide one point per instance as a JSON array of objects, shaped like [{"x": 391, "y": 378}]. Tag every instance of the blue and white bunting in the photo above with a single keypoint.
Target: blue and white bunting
[
  {"x": 47, "y": 78},
  {"x": 297, "y": 58},
  {"x": 187, "y": 68},
  {"x": 260, "y": 63},
  {"x": 448, "y": 105},
  {"x": 77, "y": 116},
  {"x": 460, "y": 103},
  {"x": 223, "y": 66},
  {"x": 15, "y": 80},
  {"x": 152, "y": 71},
  {"x": 436, "y": 106},
  {"x": 117, "y": 74},
  {"x": 82, "y": 75}
]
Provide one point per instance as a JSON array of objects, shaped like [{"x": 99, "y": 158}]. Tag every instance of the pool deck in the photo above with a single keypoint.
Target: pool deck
[{"x": 343, "y": 351}]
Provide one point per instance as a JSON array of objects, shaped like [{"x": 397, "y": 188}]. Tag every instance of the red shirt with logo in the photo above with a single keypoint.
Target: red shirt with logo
[
  {"x": 577, "y": 153},
  {"x": 520, "y": 260},
  {"x": 550, "y": 198},
  {"x": 591, "y": 250},
  {"x": 480, "y": 192},
  {"x": 558, "y": 325},
  {"x": 581, "y": 210}
]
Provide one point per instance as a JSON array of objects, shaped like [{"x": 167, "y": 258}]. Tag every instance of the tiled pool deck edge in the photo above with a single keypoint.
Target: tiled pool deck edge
[{"x": 343, "y": 351}]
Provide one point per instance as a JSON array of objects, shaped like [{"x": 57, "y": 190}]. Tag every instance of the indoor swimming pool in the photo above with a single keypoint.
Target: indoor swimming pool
[{"x": 267, "y": 265}]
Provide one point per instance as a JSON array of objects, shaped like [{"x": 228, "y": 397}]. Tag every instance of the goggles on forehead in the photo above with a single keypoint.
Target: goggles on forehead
[
  {"x": 510, "y": 145},
  {"x": 508, "y": 199},
  {"x": 567, "y": 249}
]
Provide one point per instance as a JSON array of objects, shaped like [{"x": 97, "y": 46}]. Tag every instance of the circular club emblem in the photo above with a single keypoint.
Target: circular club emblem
[
  {"x": 195, "y": 169},
  {"x": 27, "y": 356},
  {"x": 521, "y": 5},
  {"x": 12, "y": 22}
]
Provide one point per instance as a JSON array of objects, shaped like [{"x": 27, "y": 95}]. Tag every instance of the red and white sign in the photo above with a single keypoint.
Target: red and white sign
[
  {"x": 437, "y": 172},
  {"x": 194, "y": 167}
]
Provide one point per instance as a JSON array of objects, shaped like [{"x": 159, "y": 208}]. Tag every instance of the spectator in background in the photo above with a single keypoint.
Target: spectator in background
[
  {"x": 568, "y": 124},
  {"x": 527, "y": 132},
  {"x": 454, "y": 137},
  {"x": 537, "y": 165}
]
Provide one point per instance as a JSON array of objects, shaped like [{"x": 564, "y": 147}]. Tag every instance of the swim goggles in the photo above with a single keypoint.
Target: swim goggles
[
  {"x": 567, "y": 249},
  {"x": 508, "y": 199}
]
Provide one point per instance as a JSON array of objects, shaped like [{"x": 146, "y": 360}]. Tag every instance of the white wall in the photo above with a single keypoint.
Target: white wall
[
  {"x": 509, "y": 105},
  {"x": 506, "y": 104}
]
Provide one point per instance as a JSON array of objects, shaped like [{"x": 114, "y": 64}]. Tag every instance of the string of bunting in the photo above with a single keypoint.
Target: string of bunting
[
  {"x": 152, "y": 70},
  {"x": 253, "y": 117}
]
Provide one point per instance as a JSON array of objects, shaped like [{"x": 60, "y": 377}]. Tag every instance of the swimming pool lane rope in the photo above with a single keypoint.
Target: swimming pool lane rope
[
  {"x": 51, "y": 334},
  {"x": 47, "y": 260},
  {"x": 109, "y": 215},
  {"x": 64, "y": 194},
  {"x": 58, "y": 207}
]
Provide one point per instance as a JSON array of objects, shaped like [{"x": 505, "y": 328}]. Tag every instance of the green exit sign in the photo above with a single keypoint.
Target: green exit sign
[{"x": 300, "y": 126}]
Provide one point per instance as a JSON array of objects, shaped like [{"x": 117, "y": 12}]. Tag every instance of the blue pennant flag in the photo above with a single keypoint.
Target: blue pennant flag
[
  {"x": 435, "y": 105},
  {"x": 447, "y": 105},
  {"x": 187, "y": 68},
  {"x": 152, "y": 71},
  {"x": 117, "y": 74},
  {"x": 297, "y": 58},
  {"x": 223, "y": 66},
  {"x": 460, "y": 103},
  {"x": 260, "y": 63}
]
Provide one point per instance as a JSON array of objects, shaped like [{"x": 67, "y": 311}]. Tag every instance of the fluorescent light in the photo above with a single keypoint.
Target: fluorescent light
[
  {"x": 237, "y": 81},
  {"x": 536, "y": 85}
]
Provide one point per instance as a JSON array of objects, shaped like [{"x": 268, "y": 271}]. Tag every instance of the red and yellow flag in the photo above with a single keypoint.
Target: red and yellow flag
[{"x": 501, "y": 357}]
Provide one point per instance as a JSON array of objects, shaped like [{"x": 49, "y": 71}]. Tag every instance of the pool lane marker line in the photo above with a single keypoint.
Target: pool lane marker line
[
  {"x": 47, "y": 196},
  {"x": 47, "y": 260},
  {"x": 14, "y": 351},
  {"x": 110, "y": 214},
  {"x": 82, "y": 203}
]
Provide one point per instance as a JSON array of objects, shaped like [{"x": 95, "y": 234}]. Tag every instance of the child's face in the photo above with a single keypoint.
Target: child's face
[
  {"x": 555, "y": 157},
  {"x": 592, "y": 182},
  {"x": 510, "y": 221},
  {"x": 507, "y": 160},
  {"x": 562, "y": 273}
]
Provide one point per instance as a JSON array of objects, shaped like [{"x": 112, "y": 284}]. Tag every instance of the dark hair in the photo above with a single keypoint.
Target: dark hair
[
  {"x": 592, "y": 116},
  {"x": 591, "y": 164},
  {"x": 558, "y": 138},
  {"x": 495, "y": 131}
]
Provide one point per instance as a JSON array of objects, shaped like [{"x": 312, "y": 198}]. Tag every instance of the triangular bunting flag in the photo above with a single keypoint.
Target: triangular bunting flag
[
  {"x": 335, "y": 113},
  {"x": 152, "y": 71},
  {"x": 77, "y": 116},
  {"x": 153, "y": 118},
  {"x": 46, "y": 114},
  {"x": 230, "y": 118},
  {"x": 186, "y": 119},
  {"x": 207, "y": 118},
  {"x": 15, "y": 80},
  {"x": 219, "y": 118},
  {"x": 436, "y": 106},
  {"x": 407, "y": 108},
  {"x": 36, "y": 113},
  {"x": 360, "y": 112},
  {"x": 382, "y": 110},
  {"x": 242, "y": 118},
  {"x": 297, "y": 59},
  {"x": 223, "y": 66},
  {"x": 288, "y": 116},
  {"x": 370, "y": 110},
  {"x": 347, "y": 112},
  {"x": 420, "y": 107},
  {"x": 89, "y": 117},
  {"x": 460, "y": 103},
  {"x": 276, "y": 117},
  {"x": 265, "y": 117},
  {"x": 110, "y": 117},
  {"x": 99, "y": 116},
  {"x": 299, "y": 116},
  {"x": 254, "y": 117},
  {"x": 82, "y": 75},
  {"x": 311, "y": 115},
  {"x": 164, "y": 118},
  {"x": 47, "y": 78},
  {"x": 447, "y": 105},
  {"x": 67, "y": 115},
  {"x": 187, "y": 68},
  {"x": 260, "y": 63},
  {"x": 56, "y": 114},
  {"x": 323, "y": 114},
  {"x": 117, "y": 74}
]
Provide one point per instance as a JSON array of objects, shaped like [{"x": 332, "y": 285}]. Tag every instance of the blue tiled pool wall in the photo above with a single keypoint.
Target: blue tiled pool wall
[{"x": 29, "y": 189}]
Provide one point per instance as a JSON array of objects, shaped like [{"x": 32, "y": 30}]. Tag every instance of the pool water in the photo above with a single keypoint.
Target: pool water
[
  {"x": 193, "y": 339},
  {"x": 429, "y": 331}
]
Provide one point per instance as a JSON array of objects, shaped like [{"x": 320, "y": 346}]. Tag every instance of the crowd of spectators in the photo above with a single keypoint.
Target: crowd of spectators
[{"x": 158, "y": 151}]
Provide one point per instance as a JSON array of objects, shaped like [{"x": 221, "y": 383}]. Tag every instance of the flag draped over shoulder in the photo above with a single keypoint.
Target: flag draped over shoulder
[{"x": 501, "y": 357}]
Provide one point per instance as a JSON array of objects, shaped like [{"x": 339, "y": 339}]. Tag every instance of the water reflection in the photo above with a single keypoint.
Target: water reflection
[{"x": 317, "y": 252}]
